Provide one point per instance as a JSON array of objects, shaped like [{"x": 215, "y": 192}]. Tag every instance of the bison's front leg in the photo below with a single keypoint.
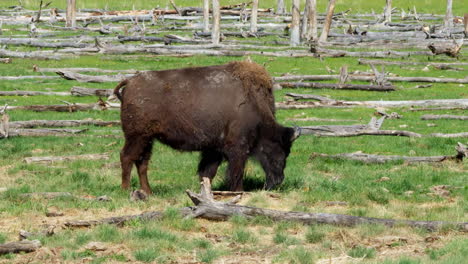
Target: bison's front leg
[
  {"x": 235, "y": 173},
  {"x": 209, "y": 164}
]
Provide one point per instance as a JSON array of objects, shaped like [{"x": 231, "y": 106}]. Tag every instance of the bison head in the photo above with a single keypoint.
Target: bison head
[{"x": 272, "y": 151}]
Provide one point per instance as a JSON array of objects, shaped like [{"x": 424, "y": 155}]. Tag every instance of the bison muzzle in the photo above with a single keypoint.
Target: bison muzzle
[{"x": 226, "y": 112}]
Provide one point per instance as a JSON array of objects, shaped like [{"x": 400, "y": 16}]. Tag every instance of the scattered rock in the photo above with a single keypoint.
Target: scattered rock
[
  {"x": 385, "y": 190},
  {"x": 96, "y": 246},
  {"x": 408, "y": 193},
  {"x": 431, "y": 125},
  {"x": 138, "y": 195},
  {"x": 440, "y": 190},
  {"x": 431, "y": 239},
  {"x": 3, "y": 189},
  {"x": 383, "y": 179},
  {"x": 103, "y": 198},
  {"x": 53, "y": 212},
  {"x": 403, "y": 126}
]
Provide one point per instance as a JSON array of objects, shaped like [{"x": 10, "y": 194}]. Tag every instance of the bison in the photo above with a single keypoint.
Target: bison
[{"x": 226, "y": 112}]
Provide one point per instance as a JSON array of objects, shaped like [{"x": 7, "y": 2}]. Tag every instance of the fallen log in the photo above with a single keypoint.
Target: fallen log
[
  {"x": 323, "y": 101},
  {"x": 369, "y": 78},
  {"x": 438, "y": 117},
  {"x": 14, "y": 78},
  {"x": 37, "y": 69},
  {"x": 62, "y": 108},
  {"x": 454, "y": 135},
  {"x": 450, "y": 49},
  {"x": 34, "y": 42},
  {"x": 207, "y": 208},
  {"x": 321, "y": 119},
  {"x": 462, "y": 152},
  {"x": 61, "y": 123},
  {"x": 82, "y": 91},
  {"x": 52, "y": 159},
  {"x": 20, "y": 246},
  {"x": 31, "y": 93},
  {"x": 321, "y": 52},
  {"x": 5, "y": 60},
  {"x": 381, "y": 62},
  {"x": 40, "y": 55},
  {"x": 338, "y": 86},
  {"x": 91, "y": 78},
  {"x": 43, "y": 132},
  {"x": 438, "y": 108}
]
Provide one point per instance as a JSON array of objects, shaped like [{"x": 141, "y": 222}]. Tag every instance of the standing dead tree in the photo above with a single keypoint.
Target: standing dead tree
[
  {"x": 280, "y": 9},
  {"x": 206, "y": 15},
  {"x": 388, "y": 11},
  {"x": 311, "y": 30},
  {"x": 328, "y": 21},
  {"x": 448, "y": 20},
  {"x": 215, "y": 29},
  {"x": 295, "y": 38},
  {"x": 253, "y": 17},
  {"x": 71, "y": 13}
]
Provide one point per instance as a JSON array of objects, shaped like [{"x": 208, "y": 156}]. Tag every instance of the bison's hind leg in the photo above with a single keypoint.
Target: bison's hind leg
[
  {"x": 209, "y": 163},
  {"x": 137, "y": 150}
]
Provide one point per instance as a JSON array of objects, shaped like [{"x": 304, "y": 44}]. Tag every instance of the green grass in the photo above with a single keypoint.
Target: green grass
[{"x": 310, "y": 181}]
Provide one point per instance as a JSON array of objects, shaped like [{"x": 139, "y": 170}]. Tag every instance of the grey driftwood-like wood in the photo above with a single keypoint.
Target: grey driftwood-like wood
[
  {"x": 26, "y": 77},
  {"x": 5, "y": 60},
  {"x": 462, "y": 153},
  {"x": 40, "y": 55},
  {"x": 328, "y": 21},
  {"x": 82, "y": 91},
  {"x": 324, "y": 101},
  {"x": 438, "y": 117},
  {"x": 34, "y": 42},
  {"x": 43, "y": 132},
  {"x": 31, "y": 93},
  {"x": 453, "y": 135},
  {"x": 20, "y": 246},
  {"x": 39, "y": 69},
  {"x": 451, "y": 49},
  {"x": 207, "y": 208},
  {"x": 338, "y": 86},
  {"x": 352, "y": 77},
  {"x": 91, "y": 78},
  {"x": 438, "y": 108},
  {"x": 61, "y": 123},
  {"x": 51, "y": 159},
  {"x": 403, "y": 63},
  {"x": 62, "y": 108}
]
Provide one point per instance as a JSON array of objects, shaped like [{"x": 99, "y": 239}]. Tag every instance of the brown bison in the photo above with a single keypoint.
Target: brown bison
[{"x": 227, "y": 112}]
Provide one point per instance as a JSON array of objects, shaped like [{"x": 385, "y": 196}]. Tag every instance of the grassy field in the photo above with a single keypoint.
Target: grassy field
[
  {"x": 393, "y": 190},
  {"x": 423, "y": 6}
]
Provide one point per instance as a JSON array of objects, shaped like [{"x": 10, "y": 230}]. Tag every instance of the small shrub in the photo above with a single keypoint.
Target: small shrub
[
  {"x": 207, "y": 256},
  {"x": 146, "y": 255},
  {"x": 283, "y": 238},
  {"x": 313, "y": 235},
  {"x": 242, "y": 236},
  {"x": 238, "y": 220},
  {"x": 378, "y": 196},
  {"x": 82, "y": 238},
  {"x": 3, "y": 238},
  {"x": 202, "y": 243},
  {"x": 154, "y": 234},
  {"x": 362, "y": 252},
  {"x": 107, "y": 233},
  {"x": 300, "y": 255}
]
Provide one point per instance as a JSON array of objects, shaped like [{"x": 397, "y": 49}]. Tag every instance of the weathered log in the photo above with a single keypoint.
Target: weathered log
[
  {"x": 91, "y": 78},
  {"x": 311, "y": 32},
  {"x": 378, "y": 88},
  {"x": 321, "y": 119},
  {"x": 369, "y": 78},
  {"x": 381, "y": 62},
  {"x": 321, "y": 52},
  {"x": 216, "y": 34},
  {"x": 43, "y": 132},
  {"x": 20, "y": 246},
  {"x": 52, "y": 159},
  {"x": 47, "y": 195},
  {"x": 254, "y": 16},
  {"x": 63, "y": 108},
  {"x": 454, "y": 135},
  {"x": 71, "y": 13},
  {"x": 438, "y": 108},
  {"x": 206, "y": 207},
  {"x": 82, "y": 91},
  {"x": 34, "y": 42},
  {"x": 26, "y": 77},
  {"x": 462, "y": 153},
  {"x": 38, "y": 69},
  {"x": 61, "y": 123},
  {"x": 451, "y": 49},
  {"x": 438, "y": 117},
  {"x": 465, "y": 23},
  {"x": 41, "y": 55},
  {"x": 31, "y": 93},
  {"x": 353, "y": 131},
  {"x": 374, "y": 104},
  {"x": 448, "y": 20},
  {"x": 5, "y": 60}
]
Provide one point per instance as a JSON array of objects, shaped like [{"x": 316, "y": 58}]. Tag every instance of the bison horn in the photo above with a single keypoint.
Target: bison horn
[{"x": 297, "y": 133}]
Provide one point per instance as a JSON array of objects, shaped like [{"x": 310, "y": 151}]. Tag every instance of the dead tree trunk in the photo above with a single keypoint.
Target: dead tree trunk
[
  {"x": 20, "y": 246},
  {"x": 462, "y": 152},
  {"x": 206, "y": 207},
  {"x": 388, "y": 11},
  {"x": 316, "y": 85},
  {"x": 206, "y": 15},
  {"x": 448, "y": 20},
  {"x": 294, "y": 30},
  {"x": 369, "y": 78},
  {"x": 92, "y": 78},
  {"x": 71, "y": 13},
  {"x": 215, "y": 30},
  {"x": 465, "y": 22},
  {"x": 253, "y": 17},
  {"x": 52, "y": 159},
  {"x": 280, "y": 9},
  {"x": 43, "y": 132},
  {"x": 31, "y": 93},
  {"x": 81, "y": 91},
  {"x": 328, "y": 21},
  {"x": 61, "y": 123},
  {"x": 451, "y": 49},
  {"x": 438, "y": 117},
  {"x": 311, "y": 33}
]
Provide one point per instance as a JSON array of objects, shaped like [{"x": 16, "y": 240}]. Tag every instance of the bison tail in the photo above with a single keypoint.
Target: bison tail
[{"x": 117, "y": 89}]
